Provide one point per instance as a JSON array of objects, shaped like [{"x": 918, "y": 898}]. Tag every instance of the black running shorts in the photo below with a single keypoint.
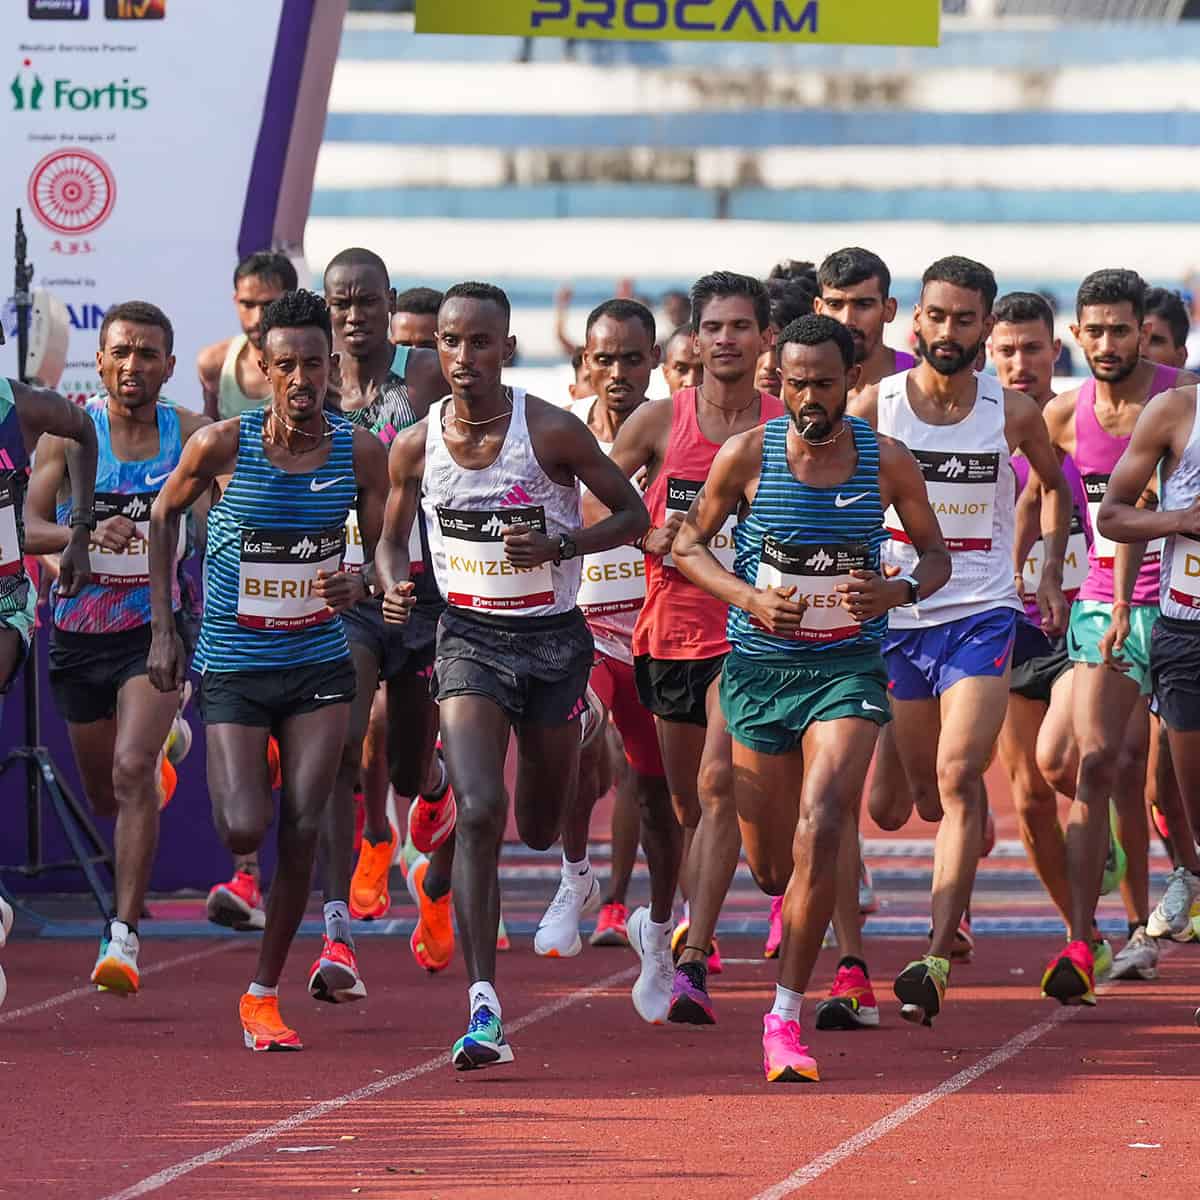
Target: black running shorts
[
  {"x": 1175, "y": 672},
  {"x": 676, "y": 689},
  {"x": 265, "y": 699},
  {"x": 398, "y": 649}
]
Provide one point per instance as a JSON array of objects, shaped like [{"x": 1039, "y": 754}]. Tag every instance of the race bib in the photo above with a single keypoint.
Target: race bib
[
  {"x": 1075, "y": 564},
  {"x": 814, "y": 569},
  {"x": 478, "y": 574},
  {"x": 1105, "y": 549},
  {"x": 354, "y": 561},
  {"x": 1185, "y": 571},
  {"x": 962, "y": 494},
  {"x": 277, "y": 574},
  {"x": 129, "y": 567},
  {"x": 680, "y": 494},
  {"x": 10, "y": 539},
  {"x": 613, "y": 581}
]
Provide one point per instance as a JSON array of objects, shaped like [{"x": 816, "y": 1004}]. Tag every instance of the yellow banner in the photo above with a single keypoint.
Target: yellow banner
[{"x": 859, "y": 22}]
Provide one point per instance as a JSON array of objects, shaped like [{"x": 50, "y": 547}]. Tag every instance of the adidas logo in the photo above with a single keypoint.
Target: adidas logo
[
  {"x": 493, "y": 527},
  {"x": 304, "y": 548},
  {"x": 820, "y": 561},
  {"x": 952, "y": 468},
  {"x": 516, "y": 497},
  {"x": 136, "y": 508}
]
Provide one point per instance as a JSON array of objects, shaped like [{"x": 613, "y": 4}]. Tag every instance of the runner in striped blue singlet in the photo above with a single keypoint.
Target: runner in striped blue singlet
[
  {"x": 804, "y": 688},
  {"x": 273, "y": 654}
]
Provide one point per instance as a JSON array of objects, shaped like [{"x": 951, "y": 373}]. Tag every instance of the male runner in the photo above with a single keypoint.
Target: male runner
[
  {"x": 414, "y": 318},
  {"x": 804, "y": 688},
  {"x": 496, "y": 474},
  {"x": 1093, "y": 424},
  {"x": 273, "y": 655},
  {"x": 679, "y": 640},
  {"x": 790, "y": 299},
  {"x": 1166, "y": 442},
  {"x": 622, "y": 353},
  {"x": 948, "y": 658},
  {"x": 1168, "y": 328},
  {"x": 230, "y": 376},
  {"x": 100, "y": 636},
  {"x": 681, "y": 365}
]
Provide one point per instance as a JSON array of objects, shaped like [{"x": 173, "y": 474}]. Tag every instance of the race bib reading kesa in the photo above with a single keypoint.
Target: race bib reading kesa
[
  {"x": 129, "y": 567},
  {"x": 814, "y": 569},
  {"x": 680, "y": 494},
  {"x": 277, "y": 574},
  {"x": 962, "y": 494},
  {"x": 479, "y": 575}
]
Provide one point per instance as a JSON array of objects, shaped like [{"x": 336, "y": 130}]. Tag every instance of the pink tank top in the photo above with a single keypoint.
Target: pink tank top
[
  {"x": 680, "y": 620},
  {"x": 1096, "y": 453}
]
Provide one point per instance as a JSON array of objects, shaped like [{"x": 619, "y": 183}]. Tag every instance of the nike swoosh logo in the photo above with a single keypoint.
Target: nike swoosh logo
[
  {"x": 871, "y": 707},
  {"x": 151, "y": 480},
  {"x": 840, "y": 501},
  {"x": 338, "y": 696},
  {"x": 320, "y": 487}
]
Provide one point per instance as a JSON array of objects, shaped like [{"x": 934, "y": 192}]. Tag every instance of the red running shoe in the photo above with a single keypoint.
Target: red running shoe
[
  {"x": 237, "y": 904},
  {"x": 1070, "y": 977},
  {"x": 851, "y": 1003},
  {"x": 334, "y": 976},
  {"x": 610, "y": 926},
  {"x": 431, "y": 822}
]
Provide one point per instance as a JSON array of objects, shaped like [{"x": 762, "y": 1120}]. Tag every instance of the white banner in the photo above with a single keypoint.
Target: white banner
[{"x": 131, "y": 140}]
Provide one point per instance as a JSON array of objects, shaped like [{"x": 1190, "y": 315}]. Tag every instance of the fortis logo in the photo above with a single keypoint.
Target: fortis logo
[
  {"x": 952, "y": 468},
  {"x": 304, "y": 548},
  {"x": 32, "y": 94}
]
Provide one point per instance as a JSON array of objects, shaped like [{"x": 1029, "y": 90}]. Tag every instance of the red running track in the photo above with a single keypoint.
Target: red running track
[{"x": 1008, "y": 1095}]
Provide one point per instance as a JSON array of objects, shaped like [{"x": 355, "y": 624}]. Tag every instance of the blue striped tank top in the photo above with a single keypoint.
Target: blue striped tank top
[
  {"x": 267, "y": 536},
  {"x": 810, "y": 538},
  {"x": 118, "y": 597}
]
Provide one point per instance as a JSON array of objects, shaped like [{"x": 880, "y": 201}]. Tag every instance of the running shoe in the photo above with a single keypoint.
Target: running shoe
[
  {"x": 483, "y": 1044},
  {"x": 557, "y": 933},
  {"x": 1137, "y": 959},
  {"x": 274, "y": 764},
  {"x": 610, "y": 926},
  {"x": 431, "y": 822},
  {"x": 1102, "y": 958},
  {"x": 868, "y": 902},
  {"x": 921, "y": 988},
  {"x": 690, "y": 1003},
  {"x": 503, "y": 942},
  {"x": 679, "y": 940},
  {"x": 168, "y": 780},
  {"x": 369, "y": 896},
  {"x": 432, "y": 941},
  {"x": 775, "y": 929},
  {"x": 963, "y": 949},
  {"x": 116, "y": 968},
  {"x": 1172, "y": 915},
  {"x": 179, "y": 741},
  {"x": 1160, "y": 823},
  {"x": 334, "y": 977},
  {"x": 237, "y": 904},
  {"x": 851, "y": 1003},
  {"x": 263, "y": 1027},
  {"x": 1115, "y": 861},
  {"x": 785, "y": 1057},
  {"x": 6, "y": 921},
  {"x": 653, "y": 988},
  {"x": 1070, "y": 977}
]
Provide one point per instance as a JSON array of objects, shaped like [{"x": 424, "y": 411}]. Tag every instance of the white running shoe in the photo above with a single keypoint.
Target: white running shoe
[
  {"x": 557, "y": 934},
  {"x": 1172, "y": 915},
  {"x": 652, "y": 988},
  {"x": 116, "y": 967},
  {"x": 868, "y": 902},
  {"x": 6, "y": 921},
  {"x": 1137, "y": 959}
]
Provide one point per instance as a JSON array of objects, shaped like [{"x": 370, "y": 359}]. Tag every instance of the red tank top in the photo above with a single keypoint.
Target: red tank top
[{"x": 680, "y": 620}]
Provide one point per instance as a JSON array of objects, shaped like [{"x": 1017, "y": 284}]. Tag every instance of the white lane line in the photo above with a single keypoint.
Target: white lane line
[
  {"x": 90, "y": 990},
  {"x": 169, "y": 1175}
]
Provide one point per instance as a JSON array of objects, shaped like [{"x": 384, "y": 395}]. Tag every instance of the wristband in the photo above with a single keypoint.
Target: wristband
[
  {"x": 640, "y": 542},
  {"x": 1121, "y": 604}
]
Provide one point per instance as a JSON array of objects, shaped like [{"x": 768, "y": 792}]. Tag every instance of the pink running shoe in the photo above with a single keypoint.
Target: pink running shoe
[
  {"x": 1070, "y": 977},
  {"x": 851, "y": 1003},
  {"x": 237, "y": 904},
  {"x": 785, "y": 1057},
  {"x": 775, "y": 933},
  {"x": 610, "y": 926}
]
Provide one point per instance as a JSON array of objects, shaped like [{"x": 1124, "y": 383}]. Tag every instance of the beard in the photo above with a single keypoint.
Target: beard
[
  {"x": 860, "y": 344},
  {"x": 1113, "y": 374},
  {"x": 964, "y": 356},
  {"x": 814, "y": 424}
]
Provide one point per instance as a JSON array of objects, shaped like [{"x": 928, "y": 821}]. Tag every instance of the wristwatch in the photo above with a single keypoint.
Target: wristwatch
[
  {"x": 85, "y": 517},
  {"x": 914, "y": 590},
  {"x": 566, "y": 548}
]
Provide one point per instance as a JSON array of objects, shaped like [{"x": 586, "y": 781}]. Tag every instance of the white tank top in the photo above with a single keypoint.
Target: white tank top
[
  {"x": 972, "y": 490},
  {"x": 613, "y": 585},
  {"x": 467, "y": 510},
  {"x": 1179, "y": 580}
]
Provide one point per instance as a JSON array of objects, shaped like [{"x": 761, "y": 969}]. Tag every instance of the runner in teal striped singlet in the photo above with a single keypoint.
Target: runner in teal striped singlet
[
  {"x": 273, "y": 654},
  {"x": 804, "y": 689}
]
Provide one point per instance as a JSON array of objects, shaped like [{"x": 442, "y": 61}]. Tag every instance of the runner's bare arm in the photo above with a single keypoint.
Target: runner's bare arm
[
  {"x": 406, "y": 467},
  {"x": 641, "y": 445},
  {"x": 43, "y": 534},
  {"x": 208, "y": 367},
  {"x": 424, "y": 380},
  {"x": 866, "y": 405}
]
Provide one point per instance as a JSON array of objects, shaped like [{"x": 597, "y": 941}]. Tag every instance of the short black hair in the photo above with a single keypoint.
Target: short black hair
[
  {"x": 814, "y": 330},
  {"x": 1162, "y": 302},
  {"x": 684, "y": 331},
  {"x": 794, "y": 268},
  {"x": 720, "y": 284},
  {"x": 790, "y": 300},
  {"x": 359, "y": 256},
  {"x": 577, "y": 358},
  {"x": 420, "y": 301},
  {"x": 294, "y": 310},
  {"x": 624, "y": 310},
  {"x": 1112, "y": 286},
  {"x": 853, "y": 265},
  {"x": 139, "y": 312},
  {"x": 487, "y": 292},
  {"x": 1018, "y": 307},
  {"x": 268, "y": 264},
  {"x": 964, "y": 273}
]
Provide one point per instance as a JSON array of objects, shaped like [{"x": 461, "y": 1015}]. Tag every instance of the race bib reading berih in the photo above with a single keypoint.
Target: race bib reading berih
[
  {"x": 814, "y": 569},
  {"x": 613, "y": 581},
  {"x": 277, "y": 574},
  {"x": 1185, "y": 571},
  {"x": 479, "y": 575},
  {"x": 1105, "y": 549},
  {"x": 129, "y": 567},
  {"x": 680, "y": 494},
  {"x": 1075, "y": 564},
  {"x": 10, "y": 539},
  {"x": 962, "y": 494}
]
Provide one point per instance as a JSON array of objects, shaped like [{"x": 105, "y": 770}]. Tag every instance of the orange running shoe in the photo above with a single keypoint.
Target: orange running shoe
[
  {"x": 273, "y": 764},
  {"x": 503, "y": 941},
  {"x": 432, "y": 941},
  {"x": 168, "y": 779},
  {"x": 263, "y": 1027},
  {"x": 369, "y": 895}
]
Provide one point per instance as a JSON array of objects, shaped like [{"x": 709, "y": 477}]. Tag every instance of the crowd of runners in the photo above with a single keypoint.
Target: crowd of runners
[{"x": 814, "y": 553}]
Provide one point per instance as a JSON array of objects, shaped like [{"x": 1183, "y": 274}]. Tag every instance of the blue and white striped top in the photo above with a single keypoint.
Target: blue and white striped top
[
  {"x": 810, "y": 538},
  {"x": 264, "y": 500}
]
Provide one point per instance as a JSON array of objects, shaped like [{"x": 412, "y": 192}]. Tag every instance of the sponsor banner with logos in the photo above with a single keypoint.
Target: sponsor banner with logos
[{"x": 146, "y": 142}]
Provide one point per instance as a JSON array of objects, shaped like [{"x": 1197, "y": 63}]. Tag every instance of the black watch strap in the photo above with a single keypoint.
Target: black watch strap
[{"x": 85, "y": 517}]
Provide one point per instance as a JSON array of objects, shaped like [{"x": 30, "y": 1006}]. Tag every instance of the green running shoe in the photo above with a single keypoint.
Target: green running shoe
[
  {"x": 483, "y": 1044},
  {"x": 1116, "y": 862},
  {"x": 921, "y": 987}
]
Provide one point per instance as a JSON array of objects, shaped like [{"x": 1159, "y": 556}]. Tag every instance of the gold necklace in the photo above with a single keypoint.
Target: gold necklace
[
  {"x": 303, "y": 432},
  {"x": 722, "y": 407},
  {"x": 487, "y": 420},
  {"x": 827, "y": 441}
]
